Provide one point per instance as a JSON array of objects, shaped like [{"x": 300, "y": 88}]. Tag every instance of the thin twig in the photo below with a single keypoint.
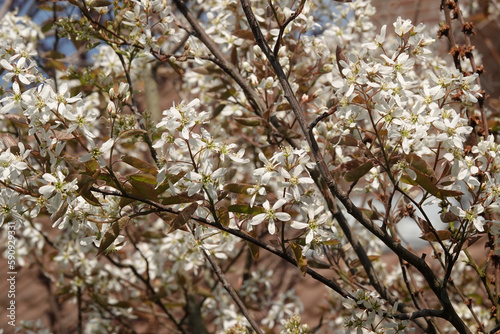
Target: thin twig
[
  {"x": 240, "y": 234},
  {"x": 353, "y": 210},
  {"x": 231, "y": 291}
]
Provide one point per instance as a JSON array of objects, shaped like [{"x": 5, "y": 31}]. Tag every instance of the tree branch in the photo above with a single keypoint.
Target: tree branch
[
  {"x": 230, "y": 290},
  {"x": 354, "y": 211}
]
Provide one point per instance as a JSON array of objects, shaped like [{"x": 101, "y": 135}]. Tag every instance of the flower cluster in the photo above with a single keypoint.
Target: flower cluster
[{"x": 143, "y": 202}]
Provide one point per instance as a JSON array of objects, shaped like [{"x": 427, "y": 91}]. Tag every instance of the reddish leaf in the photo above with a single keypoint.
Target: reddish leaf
[
  {"x": 18, "y": 119},
  {"x": 238, "y": 188},
  {"x": 60, "y": 212},
  {"x": 144, "y": 190},
  {"x": 358, "y": 172},
  {"x": 356, "y": 263},
  {"x": 85, "y": 182},
  {"x": 418, "y": 163},
  {"x": 146, "y": 178},
  {"x": 183, "y": 217},
  {"x": 448, "y": 217},
  {"x": 345, "y": 141},
  {"x": 113, "y": 233},
  {"x": 99, "y": 3},
  {"x": 301, "y": 260},
  {"x": 254, "y": 249},
  {"x": 245, "y": 34},
  {"x": 179, "y": 199},
  {"x": 131, "y": 133},
  {"x": 140, "y": 164},
  {"x": 442, "y": 235},
  {"x": 428, "y": 185}
]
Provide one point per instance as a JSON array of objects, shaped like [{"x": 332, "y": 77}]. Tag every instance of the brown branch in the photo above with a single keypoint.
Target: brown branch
[
  {"x": 240, "y": 234},
  {"x": 231, "y": 291},
  {"x": 358, "y": 248},
  {"x": 255, "y": 100},
  {"x": 284, "y": 25},
  {"x": 355, "y": 212},
  {"x": 155, "y": 297}
]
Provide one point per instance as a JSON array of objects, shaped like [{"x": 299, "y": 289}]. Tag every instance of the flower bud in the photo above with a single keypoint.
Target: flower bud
[
  {"x": 257, "y": 50},
  {"x": 123, "y": 89},
  {"x": 112, "y": 93},
  {"x": 327, "y": 68},
  {"x": 111, "y": 108}
]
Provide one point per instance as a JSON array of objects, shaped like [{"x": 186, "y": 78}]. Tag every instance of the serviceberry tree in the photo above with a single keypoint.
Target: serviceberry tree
[{"x": 300, "y": 129}]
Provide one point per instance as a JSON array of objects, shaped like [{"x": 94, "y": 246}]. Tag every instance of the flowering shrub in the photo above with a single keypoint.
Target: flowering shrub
[{"x": 302, "y": 131}]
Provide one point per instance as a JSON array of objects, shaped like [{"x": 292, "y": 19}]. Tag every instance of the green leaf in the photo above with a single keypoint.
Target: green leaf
[
  {"x": 54, "y": 54},
  {"x": 176, "y": 67},
  {"x": 284, "y": 106},
  {"x": 245, "y": 208},
  {"x": 223, "y": 215},
  {"x": 248, "y": 121},
  {"x": 301, "y": 260},
  {"x": 144, "y": 190},
  {"x": 113, "y": 233},
  {"x": 145, "y": 178},
  {"x": 238, "y": 188},
  {"x": 55, "y": 64},
  {"x": 140, "y": 164},
  {"x": 331, "y": 242},
  {"x": 183, "y": 217},
  {"x": 47, "y": 25},
  {"x": 358, "y": 172}
]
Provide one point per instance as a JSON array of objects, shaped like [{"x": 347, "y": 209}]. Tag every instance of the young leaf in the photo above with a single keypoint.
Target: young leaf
[
  {"x": 183, "y": 217},
  {"x": 237, "y": 188},
  {"x": 248, "y": 121},
  {"x": 144, "y": 190},
  {"x": 131, "y": 133},
  {"x": 244, "y": 34},
  {"x": 356, "y": 263},
  {"x": 243, "y": 208},
  {"x": 301, "y": 260},
  {"x": 146, "y": 178},
  {"x": 140, "y": 164},
  {"x": 418, "y": 163},
  {"x": 253, "y": 248},
  {"x": 60, "y": 212},
  {"x": 113, "y": 233},
  {"x": 179, "y": 199},
  {"x": 442, "y": 235},
  {"x": 358, "y": 172}
]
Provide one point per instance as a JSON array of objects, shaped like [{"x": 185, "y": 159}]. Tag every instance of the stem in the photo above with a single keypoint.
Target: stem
[
  {"x": 231, "y": 291},
  {"x": 353, "y": 210}
]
